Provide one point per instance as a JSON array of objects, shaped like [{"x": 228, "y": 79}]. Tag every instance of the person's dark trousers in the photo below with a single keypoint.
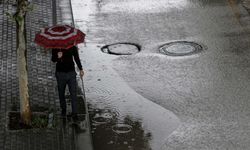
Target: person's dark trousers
[{"x": 63, "y": 79}]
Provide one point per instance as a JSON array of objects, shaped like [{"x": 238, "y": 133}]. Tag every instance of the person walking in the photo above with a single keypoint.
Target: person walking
[{"x": 66, "y": 76}]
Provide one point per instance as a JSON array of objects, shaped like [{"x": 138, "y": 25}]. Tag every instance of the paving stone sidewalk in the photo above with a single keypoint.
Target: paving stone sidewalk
[{"x": 42, "y": 83}]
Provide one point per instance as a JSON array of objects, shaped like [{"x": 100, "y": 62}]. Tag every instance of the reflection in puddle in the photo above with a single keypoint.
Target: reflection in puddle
[
  {"x": 100, "y": 120},
  {"x": 150, "y": 124},
  {"x": 121, "y": 128},
  {"x": 101, "y": 116},
  {"x": 109, "y": 132},
  {"x": 107, "y": 115}
]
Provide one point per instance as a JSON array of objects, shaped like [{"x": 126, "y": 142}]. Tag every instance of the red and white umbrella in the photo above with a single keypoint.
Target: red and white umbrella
[{"x": 59, "y": 36}]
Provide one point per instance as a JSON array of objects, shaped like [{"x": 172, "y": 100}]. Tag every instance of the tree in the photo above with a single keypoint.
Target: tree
[{"x": 23, "y": 6}]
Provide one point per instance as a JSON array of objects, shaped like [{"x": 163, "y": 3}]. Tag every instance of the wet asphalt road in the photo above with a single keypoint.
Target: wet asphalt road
[{"x": 206, "y": 94}]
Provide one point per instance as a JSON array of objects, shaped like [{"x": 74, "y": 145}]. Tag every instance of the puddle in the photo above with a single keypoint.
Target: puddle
[
  {"x": 121, "y": 128},
  {"x": 100, "y": 120},
  {"x": 120, "y": 114},
  {"x": 116, "y": 133}
]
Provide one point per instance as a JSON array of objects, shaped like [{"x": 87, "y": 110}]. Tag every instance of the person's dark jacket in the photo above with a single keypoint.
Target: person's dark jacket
[{"x": 66, "y": 63}]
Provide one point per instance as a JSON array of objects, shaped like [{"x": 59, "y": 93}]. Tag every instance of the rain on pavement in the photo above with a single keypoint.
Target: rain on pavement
[{"x": 153, "y": 101}]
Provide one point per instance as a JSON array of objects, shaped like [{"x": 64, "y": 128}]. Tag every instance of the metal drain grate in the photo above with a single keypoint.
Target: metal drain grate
[{"x": 180, "y": 48}]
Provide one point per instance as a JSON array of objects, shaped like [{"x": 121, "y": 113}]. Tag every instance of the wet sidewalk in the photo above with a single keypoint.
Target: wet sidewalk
[{"x": 42, "y": 85}]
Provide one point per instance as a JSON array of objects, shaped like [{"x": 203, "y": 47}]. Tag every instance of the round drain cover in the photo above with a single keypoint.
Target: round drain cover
[
  {"x": 180, "y": 48},
  {"x": 121, "y": 49}
]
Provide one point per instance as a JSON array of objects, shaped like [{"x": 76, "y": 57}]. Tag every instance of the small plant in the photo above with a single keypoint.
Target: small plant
[{"x": 39, "y": 122}]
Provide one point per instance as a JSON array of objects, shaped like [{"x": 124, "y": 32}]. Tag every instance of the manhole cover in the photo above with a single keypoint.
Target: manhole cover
[
  {"x": 180, "y": 48},
  {"x": 121, "y": 49}
]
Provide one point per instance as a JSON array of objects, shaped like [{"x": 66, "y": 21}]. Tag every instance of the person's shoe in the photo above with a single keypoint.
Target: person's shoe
[
  {"x": 63, "y": 113},
  {"x": 75, "y": 117},
  {"x": 83, "y": 125}
]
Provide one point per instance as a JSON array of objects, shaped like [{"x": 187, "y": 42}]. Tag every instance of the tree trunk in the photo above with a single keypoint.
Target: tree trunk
[{"x": 22, "y": 65}]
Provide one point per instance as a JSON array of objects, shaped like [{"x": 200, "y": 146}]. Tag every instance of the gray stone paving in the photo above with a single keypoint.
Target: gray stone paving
[{"x": 42, "y": 85}]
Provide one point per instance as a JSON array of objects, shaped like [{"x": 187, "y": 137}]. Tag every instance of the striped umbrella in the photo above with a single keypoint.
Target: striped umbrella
[{"x": 59, "y": 36}]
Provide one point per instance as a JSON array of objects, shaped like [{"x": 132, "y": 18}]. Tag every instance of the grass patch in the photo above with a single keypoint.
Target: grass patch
[{"x": 38, "y": 120}]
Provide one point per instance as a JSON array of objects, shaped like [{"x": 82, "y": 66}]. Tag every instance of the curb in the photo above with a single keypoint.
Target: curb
[{"x": 83, "y": 140}]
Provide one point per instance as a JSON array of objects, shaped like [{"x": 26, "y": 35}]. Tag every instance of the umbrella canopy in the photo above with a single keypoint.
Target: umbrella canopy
[{"x": 59, "y": 36}]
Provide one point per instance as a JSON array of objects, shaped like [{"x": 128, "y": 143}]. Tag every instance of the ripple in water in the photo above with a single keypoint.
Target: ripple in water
[
  {"x": 102, "y": 118},
  {"x": 121, "y": 128},
  {"x": 107, "y": 115}
]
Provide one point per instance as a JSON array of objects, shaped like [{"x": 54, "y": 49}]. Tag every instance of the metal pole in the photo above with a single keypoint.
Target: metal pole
[{"x": 54, "y": 14}]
